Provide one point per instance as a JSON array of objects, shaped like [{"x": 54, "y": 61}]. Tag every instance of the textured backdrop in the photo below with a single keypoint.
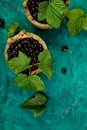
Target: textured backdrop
[{"x": 67, "y": 93}]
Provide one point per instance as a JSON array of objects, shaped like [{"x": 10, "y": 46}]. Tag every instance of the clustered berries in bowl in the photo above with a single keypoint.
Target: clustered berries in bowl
[
  {"x": 28, "y": 43},
  {"x": 32, "y": 10}
]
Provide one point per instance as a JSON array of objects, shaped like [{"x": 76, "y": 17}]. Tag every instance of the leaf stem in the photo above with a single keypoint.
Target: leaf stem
[{"x": 34, "y": 64}]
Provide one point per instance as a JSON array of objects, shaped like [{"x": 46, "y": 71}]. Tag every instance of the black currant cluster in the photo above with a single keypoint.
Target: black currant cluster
[
  {"x": 30, "y": 46},
  {"x": 33, "y": 8}
]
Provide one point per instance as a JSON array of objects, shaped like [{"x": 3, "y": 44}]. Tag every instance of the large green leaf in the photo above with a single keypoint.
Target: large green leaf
[
  {"x": 33, "y": 82},
  {"x": 84, "y": 25},
  {"x": 59, "y": 7},
  {"x": 52, "y": 18},
  {"x": 52, "y": 11},
  {"x": 20, "y": 63},
  {"x": 45, "y": 63},
  {"x": 12, "y": 29},
  {"x": 36, "y": 102}
]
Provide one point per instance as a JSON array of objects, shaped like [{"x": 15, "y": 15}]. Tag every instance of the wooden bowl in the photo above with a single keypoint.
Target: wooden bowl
[
  {"x": 21, "y": 35},
  {"x": 33, "y": 21}
]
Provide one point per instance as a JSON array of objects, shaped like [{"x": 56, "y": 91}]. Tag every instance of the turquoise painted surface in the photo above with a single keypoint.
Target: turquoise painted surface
[{"x": 67, "y": 93}]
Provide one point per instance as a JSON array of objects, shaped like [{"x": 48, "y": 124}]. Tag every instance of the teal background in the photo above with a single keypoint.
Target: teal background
[{"x": 67, "y": 93}]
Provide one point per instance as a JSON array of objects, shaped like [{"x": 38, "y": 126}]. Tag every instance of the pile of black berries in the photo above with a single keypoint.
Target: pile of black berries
[
  {"x": 30, "y": 46},
  {"x": 33, "y": 8}
]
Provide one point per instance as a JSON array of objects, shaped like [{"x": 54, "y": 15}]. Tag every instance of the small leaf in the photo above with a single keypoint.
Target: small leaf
[
  {"x": 84, "y": 25},
  {"x": 74, "y": 26},
  {"x": 35, "y": 102},
  {"x": 33, "y": 82},
  {"x": 75, "y": 13},
  {"x": 20, "y": 63},
  {"x": 52, "y": 11},
  {"x": 75, "y": 22},
  {"x": 12, "y": 30},
  {"x": 39, "y": 111},
  {"x": 45, "y": 63}
]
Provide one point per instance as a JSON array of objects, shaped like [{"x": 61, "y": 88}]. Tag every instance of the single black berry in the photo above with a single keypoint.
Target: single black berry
[
  {"x": 65, "y": 0},
  {"x": 64, "y": 48},
  {"x": 2, "y": 22},
  {"x": 63, "y": 70},
  {"x": 25, "y": 72}
]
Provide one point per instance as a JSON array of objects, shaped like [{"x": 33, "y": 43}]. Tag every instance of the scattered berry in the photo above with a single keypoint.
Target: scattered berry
[
  {"x": 63, "y": 70},
  {"x": 2, "y": 23},
  {"x": 64, "y": 48}
]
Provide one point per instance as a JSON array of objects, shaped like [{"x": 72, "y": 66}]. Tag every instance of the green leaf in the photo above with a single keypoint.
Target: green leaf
[
  {"x": 59, "y": 7},
  {"x": 74, "y": 26},
  {"x": 45, "y": 63},
  {"x": 51, "y": 16},
  {"x": 75, "y": 13},
  {"x": 39, "y": 111},
  {"x": 52, "y": 11},
  {"x": 42, "y": 10},
  {"x": 35, "y": 102},
  {"x": 84, "y": 25},
  {"x": 20, "y": 63},
  {"x": 75, "y": 22},
  {"x": 33, "y": 82},
  {"x": 12, "y": 29}
]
